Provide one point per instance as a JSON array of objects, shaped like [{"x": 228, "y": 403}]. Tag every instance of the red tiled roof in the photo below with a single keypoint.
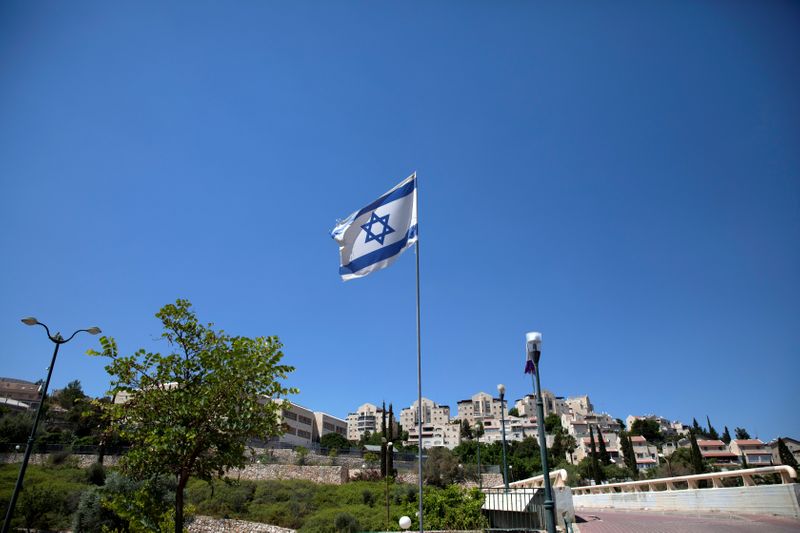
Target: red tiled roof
[
  {"x": 718, "y": 454},
  {"x": 645, "y": 461},
  {"x": 748, "y": 442},
  {"x": 757, "y": 452},
  {"x": 638, "y": 438},
  {"x": 710, "y": 443}
]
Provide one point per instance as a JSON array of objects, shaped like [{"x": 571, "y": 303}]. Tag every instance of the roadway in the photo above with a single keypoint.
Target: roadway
[{"x": 604, "y": 521}]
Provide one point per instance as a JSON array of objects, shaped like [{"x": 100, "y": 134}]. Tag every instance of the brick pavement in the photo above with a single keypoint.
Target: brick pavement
[{"x": 641, "y": 522}]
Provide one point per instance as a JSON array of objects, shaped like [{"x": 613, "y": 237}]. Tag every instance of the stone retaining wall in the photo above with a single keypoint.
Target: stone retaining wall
[
  {"x": 206, "y": 524},
  {"x": 334, "y": 475},
  {"x": 82, "y": 461}
]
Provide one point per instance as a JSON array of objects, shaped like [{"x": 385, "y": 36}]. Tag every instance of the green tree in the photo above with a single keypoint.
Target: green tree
[
  {"x": 647, "y": 428},
  {"x": 334, "y": 441},
  {"x": 384, "y": 444},
  {"x": 466, "y": 430},
  {"x": 605, "y": 458},
  {"x": 712, "y": 433},
  {"x": 70, "y": 394},
  {"x": 697, "y": 457},
  {"x": 390, "y": 458},
  {"x": 513, "y": 412},
  {"x": 629, "y": 454},
  {"x": 552, "y": 422},
  {"x": 441, "y": 468},
  {"x": 192, "y": 411},
  {"x": 787, "y": 458},
  {"x": 597, "y": 473},
  {"x": 726, "y": 436},
  {"x": 741, "y": 434}
]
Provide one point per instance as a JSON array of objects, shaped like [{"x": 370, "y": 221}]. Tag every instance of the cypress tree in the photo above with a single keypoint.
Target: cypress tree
[
  {"x": 726, "y": 436},
  {"x": 383, "y": 439},
  {"x": 629, "y": 455},
  {"x": 596, "y": 472},
  {"x": 786, "y": 455},
  {"x": 696, "y": 427},
  {"x": 712, "y": 433},
  {"x": 390, "y": 459},
  {"x": 697, "y": 457},
  {"x": 604, "y": 457}
]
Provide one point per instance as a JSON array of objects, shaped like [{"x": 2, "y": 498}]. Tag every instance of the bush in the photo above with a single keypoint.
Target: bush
[
  {"x": 346, "y": 523},
  {"x": 60, "y": 458},
  {"x": 96, "y": 474}
]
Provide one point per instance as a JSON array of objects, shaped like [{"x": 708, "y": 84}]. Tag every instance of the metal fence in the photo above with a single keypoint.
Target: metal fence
[{"x": 514, "y": 510}]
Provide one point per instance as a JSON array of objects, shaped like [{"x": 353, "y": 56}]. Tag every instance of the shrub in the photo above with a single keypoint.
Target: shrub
[
  {"x": 96, "y": 474},
  {"x": 59, "y": 458},
  {"x": 346, "y": 523}
]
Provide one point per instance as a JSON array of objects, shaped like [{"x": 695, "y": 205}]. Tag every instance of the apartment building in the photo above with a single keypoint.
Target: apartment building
[
  {"x": 517, "y": 428},
  {"x": 480, "y": 407},
  {"x": 792, "y": 444},
  {"x": 325, "y": 423},
  {"x": 298, "y": 425},
  {"x": 584, "y": 448},
  {"x": 755, "y": 452},
  {"x": 667, "y": 427},
  {"x": 23, "y": 393},
  {"x": 437, "y": 428},
  {"x": 433, "y": 414},
  {"x": 646, "y": 453},
  {"x": 552, "y": 404},
  {"x": 717, "y": 453},
  {"x": 577, "y": 424},
  {"x": 580, "y": 405},
  {"x": 367, "y": 417}
]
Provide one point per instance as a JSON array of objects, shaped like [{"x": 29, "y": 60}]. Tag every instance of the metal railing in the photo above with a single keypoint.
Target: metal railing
[
  {"x": 787, "y": 474},
  {"x": 520, "y": 509}
]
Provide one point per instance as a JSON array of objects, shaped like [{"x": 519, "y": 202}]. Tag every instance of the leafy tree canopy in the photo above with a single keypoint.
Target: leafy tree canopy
[
  {"x": 741, "y": 434},
  {"x": 192, "y": 411},
  {"x": 552, "y": 422},
  {"x": 334, "y": 441}
]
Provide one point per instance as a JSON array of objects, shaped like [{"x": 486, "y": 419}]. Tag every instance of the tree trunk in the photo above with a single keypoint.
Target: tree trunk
[{"x": 182, "y": 480}]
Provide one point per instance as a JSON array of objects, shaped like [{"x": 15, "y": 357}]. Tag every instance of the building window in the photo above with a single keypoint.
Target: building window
[
  {"x": 304, "y": 434},
  {"x": 290, "y": 415},
  {"x": 305, "y": 420}
]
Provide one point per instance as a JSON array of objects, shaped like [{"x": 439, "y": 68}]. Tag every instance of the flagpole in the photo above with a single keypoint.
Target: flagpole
[{"x": 419, "y": 374}]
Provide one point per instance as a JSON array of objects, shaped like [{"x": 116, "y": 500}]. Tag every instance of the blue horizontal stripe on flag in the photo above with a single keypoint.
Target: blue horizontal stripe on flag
[
  {"x": 405, "y": 190},
  {"x": 378, "y": 255}
]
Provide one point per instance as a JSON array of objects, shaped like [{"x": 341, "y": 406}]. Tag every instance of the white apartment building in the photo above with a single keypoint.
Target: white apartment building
[
  {"x": 517, "y": 428},
  {"x": 433, "y": 414},
  {"x": 717, "y": 453},
  {"x": 551, "y": 403},
  {"x": 577, "y": 424},
  {"x": 481, "y": 406},
  {"x": 447, "y": 435},
  {"x": 437, "y": 428},
  {"x": 367, "y": 417},
  {"x": 755, "y": 451},
  {"x": 646, "y": 453}
]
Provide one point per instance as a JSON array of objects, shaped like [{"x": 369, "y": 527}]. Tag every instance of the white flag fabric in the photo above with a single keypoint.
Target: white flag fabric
[{"x": 373, "y": 237}]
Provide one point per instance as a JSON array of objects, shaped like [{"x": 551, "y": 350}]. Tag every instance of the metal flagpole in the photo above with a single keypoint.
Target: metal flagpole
[{"x": 419, "y": 376}]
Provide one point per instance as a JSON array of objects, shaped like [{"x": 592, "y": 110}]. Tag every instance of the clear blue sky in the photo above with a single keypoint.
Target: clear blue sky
[{"x": 623, "y": 177}]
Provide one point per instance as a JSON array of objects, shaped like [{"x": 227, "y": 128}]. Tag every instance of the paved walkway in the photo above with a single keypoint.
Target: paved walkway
[{"x": 652, "y": 522}]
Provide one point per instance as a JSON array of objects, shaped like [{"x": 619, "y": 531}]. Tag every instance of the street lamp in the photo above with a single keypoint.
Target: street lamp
[
  {"x": 502, "y": 390},
  {"x": 533, "y": 345},
  {"x": 478, "y": 431},
  {"x": 58, "y": 340},
  {"x": 386, "y": 467}
]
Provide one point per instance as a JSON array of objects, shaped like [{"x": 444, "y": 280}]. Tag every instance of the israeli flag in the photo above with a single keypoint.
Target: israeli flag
[{"x": 373, "y": 237}]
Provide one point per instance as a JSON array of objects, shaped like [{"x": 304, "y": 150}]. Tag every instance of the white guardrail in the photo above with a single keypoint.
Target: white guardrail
[{"x": 787, "y": 475}]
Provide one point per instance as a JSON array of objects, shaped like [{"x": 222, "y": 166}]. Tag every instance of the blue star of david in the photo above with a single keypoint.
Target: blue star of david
[{"x": 371, "y": 236}]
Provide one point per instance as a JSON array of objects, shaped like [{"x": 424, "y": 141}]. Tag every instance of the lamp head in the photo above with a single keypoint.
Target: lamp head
[
  {"x": 405, "y": 522},
  {"x": 501, "y": 389},
  {"x": 94, "y": 330},
  {"x": 533, "y": 341},
  {"x": 30, "y": 321}
]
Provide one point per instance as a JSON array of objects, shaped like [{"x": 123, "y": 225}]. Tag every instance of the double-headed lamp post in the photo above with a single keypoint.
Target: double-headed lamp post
[
  {"x": 502, "y": 390},
  {"x": 58, "y": 340},
  {"x": 533, "y": 345}
]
